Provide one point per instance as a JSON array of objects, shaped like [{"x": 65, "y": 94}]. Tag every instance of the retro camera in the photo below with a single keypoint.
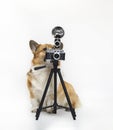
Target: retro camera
[
  {"x": 57, "y": 53},
  {"x": 54, "y": 54}
]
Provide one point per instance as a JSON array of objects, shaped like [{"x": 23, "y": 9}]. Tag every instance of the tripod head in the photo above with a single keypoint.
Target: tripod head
[{"x": 56, "y": 53}]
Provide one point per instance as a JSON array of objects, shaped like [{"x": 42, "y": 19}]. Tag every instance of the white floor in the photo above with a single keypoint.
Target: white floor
[{"x": 87, "y": 118}]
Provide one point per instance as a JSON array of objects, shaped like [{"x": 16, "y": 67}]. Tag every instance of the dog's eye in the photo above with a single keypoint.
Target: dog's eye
[{"x": 45, "y": 49}]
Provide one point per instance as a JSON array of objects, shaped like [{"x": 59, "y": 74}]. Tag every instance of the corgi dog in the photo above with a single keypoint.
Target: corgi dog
[{"x": 37, "y": 79}]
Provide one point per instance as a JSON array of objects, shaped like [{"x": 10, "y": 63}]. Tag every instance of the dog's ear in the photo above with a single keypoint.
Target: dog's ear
[{"x": 33, "y": 45}]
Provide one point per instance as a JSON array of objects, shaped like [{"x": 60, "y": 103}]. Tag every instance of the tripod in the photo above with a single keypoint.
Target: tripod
[{"x": 55, "y": 70}]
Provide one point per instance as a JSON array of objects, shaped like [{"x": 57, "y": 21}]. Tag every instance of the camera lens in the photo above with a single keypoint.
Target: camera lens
[
  {"x": 56, "y": 56},
  {"x": 57, "y": 44}
]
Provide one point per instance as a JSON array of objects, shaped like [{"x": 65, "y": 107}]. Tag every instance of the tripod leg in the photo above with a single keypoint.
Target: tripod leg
[
  {"x": 66, "y": 94},
  {"x": 55, "y": 92},
  {"x": 44, "y": 95}
]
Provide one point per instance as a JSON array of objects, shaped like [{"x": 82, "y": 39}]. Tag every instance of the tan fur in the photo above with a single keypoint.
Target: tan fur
[
  {"x": 39, "y": 51},
  {"x": 39, "y": 54},
  {"x": 72, "y": 94},
  {"x": 29, "y": 87}
]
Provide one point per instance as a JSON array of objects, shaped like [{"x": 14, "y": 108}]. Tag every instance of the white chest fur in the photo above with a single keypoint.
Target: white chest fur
[{"x": 39, "y": 80}]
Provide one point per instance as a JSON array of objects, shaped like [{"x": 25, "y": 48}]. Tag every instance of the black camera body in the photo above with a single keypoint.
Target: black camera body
[{"x": 55, "y": 54}]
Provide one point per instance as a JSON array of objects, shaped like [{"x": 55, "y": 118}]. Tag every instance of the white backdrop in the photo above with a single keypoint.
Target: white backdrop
[{"x": 88, "y": 43}]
